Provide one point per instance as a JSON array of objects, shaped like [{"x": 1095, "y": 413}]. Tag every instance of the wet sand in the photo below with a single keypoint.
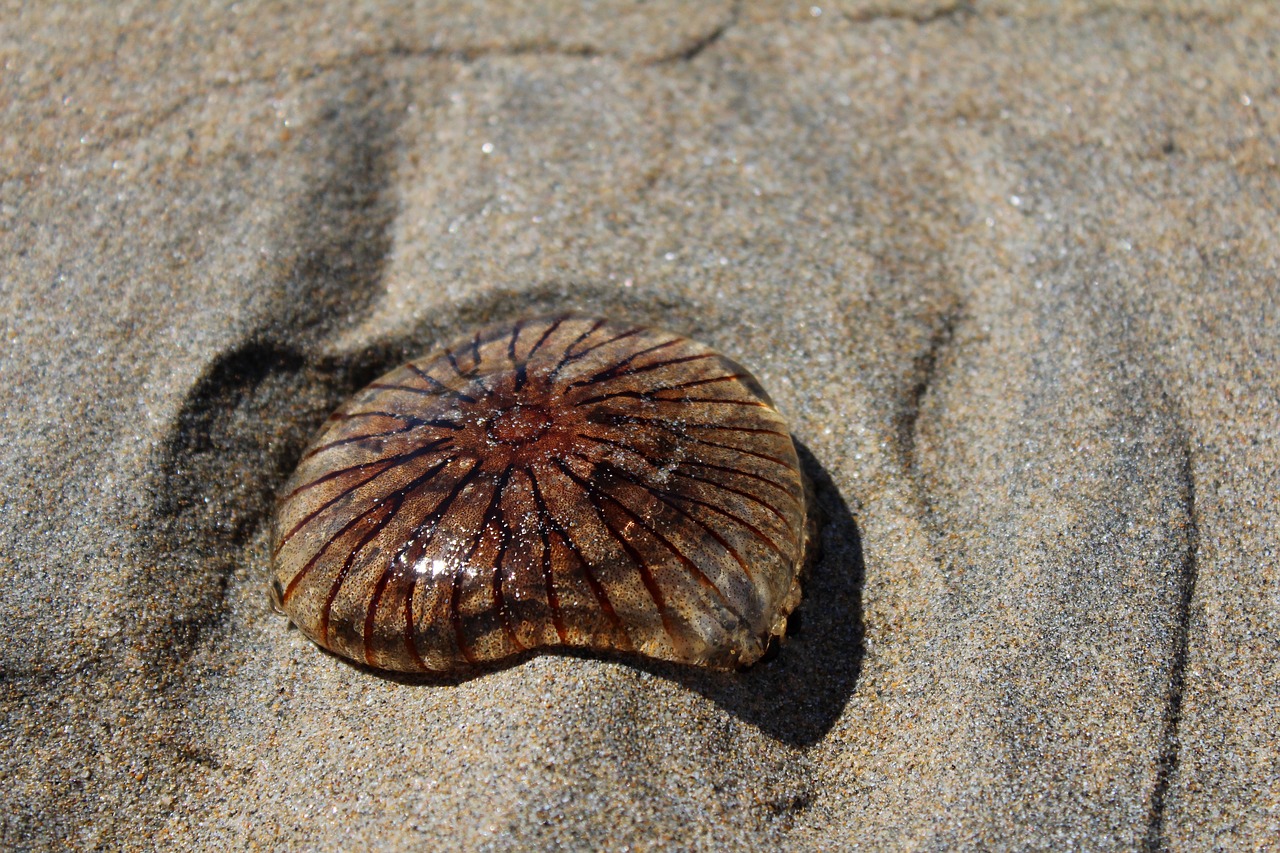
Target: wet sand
[{"x": 1011, "y": 269}]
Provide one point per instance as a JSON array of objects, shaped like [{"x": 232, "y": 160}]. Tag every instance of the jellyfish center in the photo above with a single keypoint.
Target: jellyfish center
[{"x": 519, "y": 425}]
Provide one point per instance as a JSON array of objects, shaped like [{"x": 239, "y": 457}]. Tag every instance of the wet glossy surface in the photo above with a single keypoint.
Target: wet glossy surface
[{"x": 565, "y": 482}]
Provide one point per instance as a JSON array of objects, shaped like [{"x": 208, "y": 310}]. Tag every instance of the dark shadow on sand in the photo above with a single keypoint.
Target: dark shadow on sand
[{"x": 799, "y": 689}]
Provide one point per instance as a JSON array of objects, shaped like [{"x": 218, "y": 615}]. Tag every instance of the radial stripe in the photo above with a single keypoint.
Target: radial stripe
[
  {"x": 347, "y": 469},
  {"x": 293, "y": 583},
  {"x": 726, "y": 487},
  {"x": 632, "y": 372},
  {"x": 619, "y": 337},
  {"x": 645, "y": 395},
  {"x": 344, "y": 416},
  {"x": 455, "y": 614},
  {"x": 385, "y": 577},
  {"x": 730, "y": 515},
  {"x": 445, "y": 390},
  {"x": 352, "y": 439},
  {"x": 395, "y": 386},
  {"x": 680, "y": 433},
  {"x": 717, "y": 485},
  {"x": 691, "y": 566},
  {"x": 619, "y": 419},
  {"x": 597, "y": 588},
  {"x": 660, "y": 495},
  {"x": 376, "y": 528},
  {"x": 436, "y": 514},
  {"x": 499, "y": 600},
  {"x": 623, "y": 368},
  {"x": 568, "y": 351},
  {"x": 453, "y": 362},
  {"x": 646, "y": 577},
  {"x": 729, "y": 469},
  {"x": 553, "y": 599},
  {"x": 393, "y": 460},
  {"x": 652, "y": 393},
  {"x": 410, "y": 641},
  {"x": 765, "y": 456},
  {"x": 725, "y": 468},
  {"x": 548, "y": 333},
  {"x": 521, "y": 367}
]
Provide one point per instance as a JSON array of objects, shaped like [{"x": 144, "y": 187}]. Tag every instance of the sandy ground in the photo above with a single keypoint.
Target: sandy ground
[{"x": 1009, "y": 267}]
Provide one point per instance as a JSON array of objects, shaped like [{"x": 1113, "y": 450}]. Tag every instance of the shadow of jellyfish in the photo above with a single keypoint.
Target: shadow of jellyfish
[{"x": 797, "y": 692}]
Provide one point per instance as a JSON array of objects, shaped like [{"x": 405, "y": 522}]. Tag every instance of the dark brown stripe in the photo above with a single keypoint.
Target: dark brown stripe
[
  {"x": 651, "y": 393},
  {"x": 355, "y": 438},
  {"x": 398, "y": 457},
  {"x": 660, "y": 495},
  {"x": 425, "y": 392},
  {"x": 696, "y": 382},
  {"x": 729, "y": 469},
  {"x": 597, "y": 588},
  {"x": 680, "y": 433},
  {"x": 521, "y": 367},
  {"x": 412, "y": 541},
  {"x": 548, "y": 333},
  {"x": 790, "y": 466},
  {"x": 395, "y": 502},
  {"x": 455, "y": 619},
  {"x": 386, "y": 434},
  {"x": 378, "y": 589},
  {"x": 338, "y": 472},
  {"x": 346, "y": 566},
  {"x": 630, "y": 333},
  {"x": 689, "y": 564},
  {"x": 453, "y": 362},
  {"x": 515, "y": 336},
  {"x": 726, "y": 468},
  {"x": 568, "y": 351},
  {"x": 445, "y": 390},
  {"x": 734, "y": 517},
  {"x": 645, "y": 395},
  {"x": 381, "y": 585},
  {"x": 646, "y": 577},
  {"x": 410, "y": 640},
  {"x": 553, "y": 600},
  {"x": 753, "y": 498},
  {"x": 667, "y": 425},
  {"x": 755, "y": 403},
  {"x": 297, "y": 578},
  {"x": 716, "y": 483},
  {"x": 393, "y": 462},
  {"x": 499, "y": 600},
  {"x": 623, "y": 368},
  {"x": 455, "y": 614},
  {"x": 344, "y": 416},
  {"x": 657, "y": 365}
]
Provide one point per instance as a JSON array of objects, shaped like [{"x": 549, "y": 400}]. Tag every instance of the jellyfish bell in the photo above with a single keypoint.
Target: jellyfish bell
[{"x": 558, "y": 482}]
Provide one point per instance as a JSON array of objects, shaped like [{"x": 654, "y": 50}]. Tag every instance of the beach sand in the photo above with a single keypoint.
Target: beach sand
[{"x": 1010, "y": 268}]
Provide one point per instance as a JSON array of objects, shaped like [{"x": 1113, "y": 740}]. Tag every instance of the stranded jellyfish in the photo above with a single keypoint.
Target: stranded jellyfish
[{"x": 560, "y": 482}]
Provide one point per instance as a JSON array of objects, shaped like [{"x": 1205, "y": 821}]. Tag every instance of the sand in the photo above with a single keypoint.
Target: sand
[{"x": 1011, "y": 269}]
